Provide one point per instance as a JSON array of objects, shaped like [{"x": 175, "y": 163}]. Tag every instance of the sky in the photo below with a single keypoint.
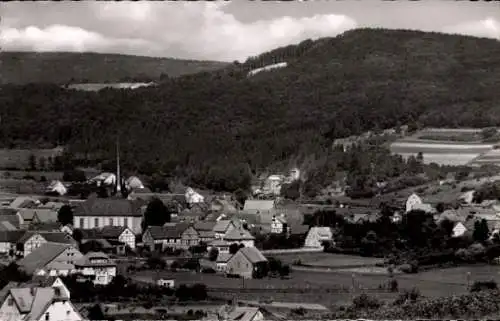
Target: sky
[{"x": 223, "y": 30}]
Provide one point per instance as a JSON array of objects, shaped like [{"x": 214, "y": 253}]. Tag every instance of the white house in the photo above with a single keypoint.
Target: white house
[
  {"x": 317, "y": 235},
  {"x": 278, "y": 224},
  {"x": 101, "y": 212},
  {"x": 165, "y": 282},
  {"x": 50, "y": 303},
  {"x": 192, "y": 197},
  {"x": 459, "y": 229},
  {"x": 97, "y": 267},
  {"x": 412, "y": 200}
]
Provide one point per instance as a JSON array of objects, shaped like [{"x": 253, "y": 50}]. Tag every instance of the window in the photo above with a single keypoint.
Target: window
[
  {"x": 125, "y": 222},
  {"x": 11, "y": 302},
  {"x": 111, "y": 221},
  {"x": 47, "y": 316},
  {"x": 82, "y": 221},
  {"x": 96, "y": 222},
  {"x": 68, "y": 312}
]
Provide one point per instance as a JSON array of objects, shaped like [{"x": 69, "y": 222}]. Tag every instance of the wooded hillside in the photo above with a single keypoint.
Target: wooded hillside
[{"x": 222, "y": 121}]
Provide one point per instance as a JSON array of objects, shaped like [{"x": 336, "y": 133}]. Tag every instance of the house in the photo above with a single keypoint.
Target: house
[
  {"x": 24, "y": 202},
  {"x": 248, "y": 263},
  {"x": 175, "y": 236},
  {"x": 175, "y": 201},
  {"x": 96, "y": 266},
  {"x": 240, "y": 236},
  {"x": 222, "y": 227},
  {"x": 412, "y": 200},
  {"x": 265, "y": 209},
  {"x": 222, "y": 206},
  {"x": 8, "y": 241},
  {"x": 120, "y": 234},
  {"x": 37, "y": 281},
  {"x": 221, "y": 245},
  {"x": 100, "y": 212},
  {"x": 38, "y": 303},
  {"x": 32, "y": 240},
  {"x": 317, "y": 235},
  {"x": 219, "y": 265},
  {"x": 245, "y": 314},
  {"x": 44, "y": 215},
  {"x": 10, "y": 215},
  {"x": 42, "y": 260},
  {"x": 459, "y": 229},
  {"x": 164, "y": 282},
  {"x": 278, "y": 225},
  {"x": 45, "y": 227}
]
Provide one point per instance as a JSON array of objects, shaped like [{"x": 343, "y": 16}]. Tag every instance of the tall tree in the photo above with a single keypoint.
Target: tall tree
[
  {"x": 156, "y": 213},
  {"x": 65, "y": 215}
]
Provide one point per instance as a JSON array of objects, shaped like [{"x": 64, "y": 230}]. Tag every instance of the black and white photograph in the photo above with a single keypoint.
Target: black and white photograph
[{"x": 249, "y": 160}]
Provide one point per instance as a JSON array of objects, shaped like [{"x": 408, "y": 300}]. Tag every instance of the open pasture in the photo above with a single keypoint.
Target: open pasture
[{"x": 326, "y": 259}]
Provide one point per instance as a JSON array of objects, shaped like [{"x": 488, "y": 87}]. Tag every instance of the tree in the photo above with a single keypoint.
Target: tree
[
  {"x": 74, "y": 176},
  {"x": 213, "y": 254},
  {"x": 156, "y": 214},
  {"x": 233, "y": 248},
  {"x": 77, "y": 235},
  {"x": 291, "y": 191},
  {"x": 42, "y": 163},
  {"x": 65, "y": 215},
  {"x": 95, "y": 313},
  {"x": 481, "y": 231},
  {"x": 32, "y": 162},
  {"x": 488, "y": 133}
]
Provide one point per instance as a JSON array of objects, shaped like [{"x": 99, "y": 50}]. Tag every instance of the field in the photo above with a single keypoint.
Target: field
[
  {"x": 443, "y": 146},
  {"x": 322, "y": 259}
]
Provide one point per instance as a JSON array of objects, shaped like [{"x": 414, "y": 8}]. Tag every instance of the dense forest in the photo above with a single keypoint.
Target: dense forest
[
  {"x": 224, "y": 123},
  {"x": 66, "y": 67}
]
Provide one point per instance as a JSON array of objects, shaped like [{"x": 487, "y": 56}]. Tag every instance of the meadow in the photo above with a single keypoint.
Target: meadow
[{"x": 443, "y": 146}]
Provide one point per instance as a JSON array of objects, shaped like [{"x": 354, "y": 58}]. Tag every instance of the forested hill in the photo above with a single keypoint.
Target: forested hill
[
  {"x": 66, "y": 67},
  {"x": 332, "y": 87}
]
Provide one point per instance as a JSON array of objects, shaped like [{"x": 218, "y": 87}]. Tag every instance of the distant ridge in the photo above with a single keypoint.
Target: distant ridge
[{"x": 68, "y": 67}]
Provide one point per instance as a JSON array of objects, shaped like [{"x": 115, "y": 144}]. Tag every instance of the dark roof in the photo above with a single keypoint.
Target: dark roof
[
  {"x": 107, "y": 232},
  {"x": 169, "y": 231},
  {"x": 54, "y": 237},
  {"x": 13, "y": 219},
  {"x": 204, "y": 226},
  {"x": 108, "y": 207},
  {"x": 8, "y": 211},
  {"x": 46, "y": 227},
  {"x": 11, "y": 236},
  {"x": 41, "y": 256}
]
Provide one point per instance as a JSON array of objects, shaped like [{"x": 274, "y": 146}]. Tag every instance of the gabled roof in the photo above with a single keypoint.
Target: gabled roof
[
  {"x": 112, "y": 232},
  {"x": 11, "y": 236},
  {"x": 12, "y": 219},
  {"x": 206, "y": 234},
  {"x": 258, "y": 205},
  {"x": 95, "y": 259},
  {"x": 45, "y": 215},
  {"x": 42, "y": 256},
  {"x": 238, "y": 234},
  {"x": 221, "y": 226},
  {"x": 253, "y": 254},
  {"x": 243, "y": 313},
  {"x": 54, "y": 237},
  {"x": 23, "y": 202},
  {"x": 7, "y": 211},
  {"x": 204, "y": 226},
  {"x": 108, "y": 207},
  {"x": 223, "y": 257},
  {"x": 7, "y": 226},
  {"x": 168, "y": 231},
  {"x": 35, "y": 301}
]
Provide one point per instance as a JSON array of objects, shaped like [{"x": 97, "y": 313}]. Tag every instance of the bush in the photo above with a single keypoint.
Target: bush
[
  {"x": 364, "y": 301},
  {"x": 409, "y": 268},
  {"x": 483, "y": 285}
]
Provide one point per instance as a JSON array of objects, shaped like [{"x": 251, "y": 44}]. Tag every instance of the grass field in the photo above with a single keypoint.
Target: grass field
[
  {"x": 443, "y": 146},
  {"x": 327, "y": 259}
]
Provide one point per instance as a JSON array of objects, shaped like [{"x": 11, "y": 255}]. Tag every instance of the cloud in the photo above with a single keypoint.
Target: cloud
[
  {"x": 489, "y": 28},
  {"x": 172, "y": 29}
]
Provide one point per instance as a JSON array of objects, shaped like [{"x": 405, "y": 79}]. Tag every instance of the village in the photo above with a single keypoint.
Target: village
[{"x": 52, "y": 245}]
